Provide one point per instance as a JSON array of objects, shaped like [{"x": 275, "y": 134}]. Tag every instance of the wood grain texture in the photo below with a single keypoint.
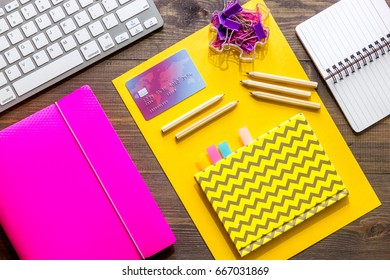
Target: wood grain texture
[{"x": 366, "y": 238}]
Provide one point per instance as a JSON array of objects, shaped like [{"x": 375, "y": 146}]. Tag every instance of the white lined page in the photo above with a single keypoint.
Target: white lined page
[{"x": 339, "y": 32}]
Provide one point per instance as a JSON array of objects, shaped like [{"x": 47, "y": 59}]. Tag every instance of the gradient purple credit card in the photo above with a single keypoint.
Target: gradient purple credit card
[{"x": 165, "y": 84}]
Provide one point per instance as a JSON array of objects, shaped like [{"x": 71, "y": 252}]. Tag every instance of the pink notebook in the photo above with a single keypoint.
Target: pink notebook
[{"x": 69, "y": 189}]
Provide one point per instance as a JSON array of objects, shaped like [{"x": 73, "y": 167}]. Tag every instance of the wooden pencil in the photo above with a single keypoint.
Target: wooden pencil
[
  {"x": 191, "y": 113},
  {"x": 276, "y": 88},
  {"x": 206, "y": 120},
  {"x": 286, "y": 100},
  {"x": 282, "y": 79}
]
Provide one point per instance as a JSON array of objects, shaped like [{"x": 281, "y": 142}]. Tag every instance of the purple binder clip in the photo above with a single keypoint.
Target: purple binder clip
[
  {"x": 233, "y": 9},
  {"x": 240, "y": 29},
  {"x": 232, "y": 25},
  {"x": 259, "y": 31},
  {"x": 220, "y": 19}
]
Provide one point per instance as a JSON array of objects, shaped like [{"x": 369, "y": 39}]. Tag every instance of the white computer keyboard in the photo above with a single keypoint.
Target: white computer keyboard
[{"x": 44, "y": 41}]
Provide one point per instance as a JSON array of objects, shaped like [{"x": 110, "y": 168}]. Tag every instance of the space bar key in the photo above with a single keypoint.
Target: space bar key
[{"x": 48, "y": 72}]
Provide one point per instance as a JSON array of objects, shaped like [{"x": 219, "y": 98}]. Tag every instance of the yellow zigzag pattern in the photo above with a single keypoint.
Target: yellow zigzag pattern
[{"x": 271, "y": 185}]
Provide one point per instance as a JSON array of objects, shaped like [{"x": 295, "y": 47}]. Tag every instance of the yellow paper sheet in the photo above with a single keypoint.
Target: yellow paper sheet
[{"x": 222, "y": 74}]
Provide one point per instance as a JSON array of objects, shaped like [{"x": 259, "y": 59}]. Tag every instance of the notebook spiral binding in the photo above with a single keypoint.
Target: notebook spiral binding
[{"x": 359, "y": 59}]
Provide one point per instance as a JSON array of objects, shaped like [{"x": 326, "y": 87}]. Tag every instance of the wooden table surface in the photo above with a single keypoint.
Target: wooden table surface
[{"x": 366, "y": 238}]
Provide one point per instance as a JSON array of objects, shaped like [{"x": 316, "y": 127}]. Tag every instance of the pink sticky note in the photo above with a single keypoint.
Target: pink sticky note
[
  {"x": 245, "y": 135},
  {"x": 214, "y": 154}
]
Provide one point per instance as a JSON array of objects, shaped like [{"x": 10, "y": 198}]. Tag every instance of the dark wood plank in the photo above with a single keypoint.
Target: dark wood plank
[{"x": 366, "y": 238}]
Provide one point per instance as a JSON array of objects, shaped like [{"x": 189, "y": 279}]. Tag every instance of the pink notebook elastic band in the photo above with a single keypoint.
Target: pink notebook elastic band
[{"x": 100, "y": 181}]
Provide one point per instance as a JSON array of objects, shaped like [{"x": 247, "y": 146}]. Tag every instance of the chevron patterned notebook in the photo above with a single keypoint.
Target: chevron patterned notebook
[{"x": 269, "y": 186}]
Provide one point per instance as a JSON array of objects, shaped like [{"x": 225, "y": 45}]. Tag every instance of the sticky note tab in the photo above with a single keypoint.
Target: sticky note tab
[
  {"x": 203, "y": 161},
  {"x": 214, "y": 154},
  {"x": 224, "y": 149},
  {"x": 245, "y": 135}
]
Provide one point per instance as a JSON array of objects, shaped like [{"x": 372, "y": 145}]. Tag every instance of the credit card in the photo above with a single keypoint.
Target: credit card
[{"x": 165, "y": 84}]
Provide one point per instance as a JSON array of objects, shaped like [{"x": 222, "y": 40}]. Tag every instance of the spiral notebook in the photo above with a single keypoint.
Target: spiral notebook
[
  {"x": 272, "y": 184},
  {"x": 349, "y": 43}
]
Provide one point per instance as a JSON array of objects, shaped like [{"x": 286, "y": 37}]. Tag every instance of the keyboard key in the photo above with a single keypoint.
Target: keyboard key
[
  {"x": 55, "y": 2},
  {"x": 136, "y": 30},
  {"x": 6, "y": 95},
  {"x": 11, "y": 6},
  {"x": 3, "y": 63},
  {"x": 82, "y": 36},
  {"x": 40, "y": 41},
  {"x": 90, "y": 50},
  {"x": 3, "y": 43},
  {"x": 42, "y": 5},
  {"x": 68, "y": 26},
  {"x": 96, "y": 11},
  {"x": 15, "y": 19},
  {"x": 12, "y": 55},
  {"x": 109, "y": 5},
  {"x": 123, "y": 1},
  {"x": 2, "y": 13},
  {"x": 132, "y": 9},
  {"x": 27, "y": 65},
  {"x": 43, "y": 21},
  {"x": 71, "y": 7},
  {"x": 96, "y": 28},
  {"x": 150, "y": 22},
  {"x": 29, "y": 29},
  {"x": 48, "y": 72},
  {"x": 85, "y": 3},
  {"x": 82, "y": 18},
  {"x": 41, "y": 58},
  {"x": 13, "y": 73},
  {"x": 3, "y": 80},
  {"x": 57, "y": 14},
  {"x": 15, "y": 36},
  {"x": 68, "y": 43},
  {"x": 54, "y": 51},
  {"x": 132, "y": 23},
  {"x": 122, "y": 37},
  {"x": 3, "y": 26},
  {"x": 106, "y": 42},
  {"x": 54, "y": 33},
  {"x": 29, "y": 11},
  {"x": 24, "y": 1},
  {"x": 26, "y": 48},
  {"x": 110, "y": 21}
]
